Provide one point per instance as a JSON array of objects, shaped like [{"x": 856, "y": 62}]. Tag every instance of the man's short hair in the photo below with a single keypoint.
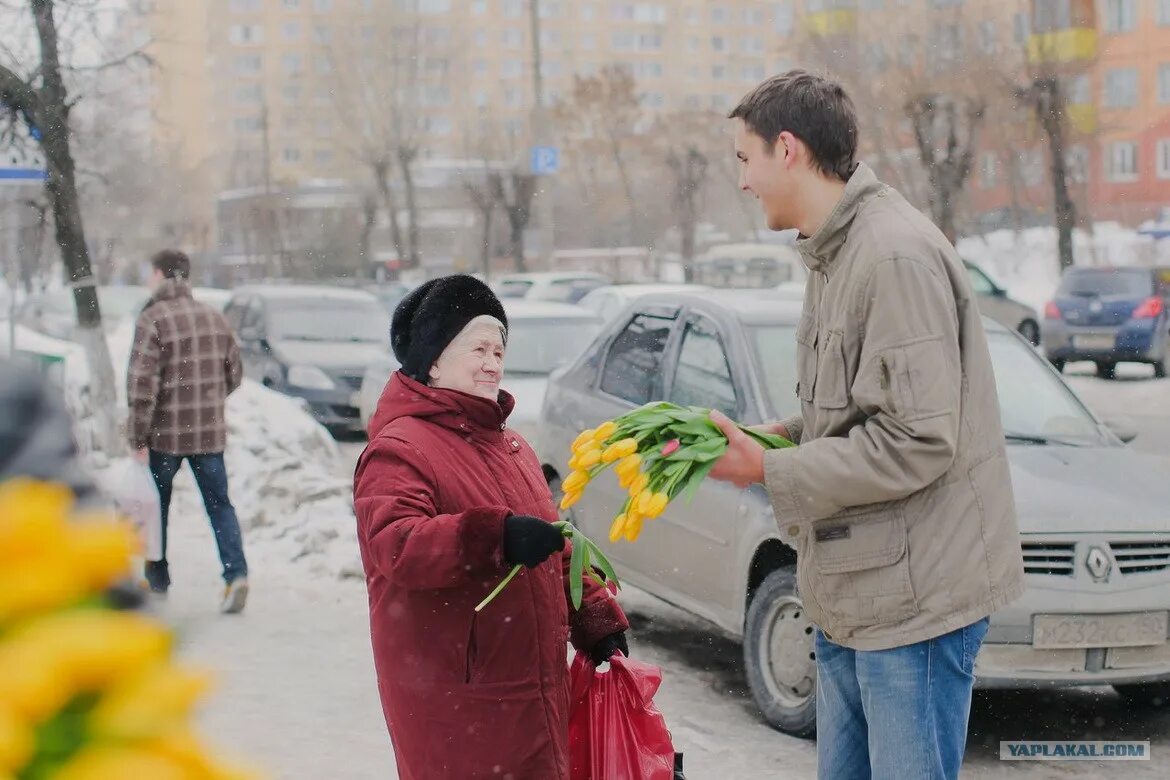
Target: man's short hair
[
  {"x": 172, "y": 263},
  {"x": 812, "y": 108}
]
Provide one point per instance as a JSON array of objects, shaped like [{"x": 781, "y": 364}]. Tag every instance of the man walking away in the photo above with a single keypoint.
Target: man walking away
[
  {"x": 184, "y": 364},
  {"x": 898, "y": 500}
]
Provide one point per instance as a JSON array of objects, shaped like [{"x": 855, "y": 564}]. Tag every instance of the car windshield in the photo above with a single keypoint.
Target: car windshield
[
  {"x": 328, "y": 320},
  {"x": 775, "y": 348},
  {"x": 514, "y": 289},
  {"x": 1092, "y": 283},
  {"x": 537, "y": 346},
  {"x": 1035, "y": 405}
]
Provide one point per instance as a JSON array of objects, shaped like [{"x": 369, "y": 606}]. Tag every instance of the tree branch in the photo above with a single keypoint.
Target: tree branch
[{"x": 17, "y": 93}]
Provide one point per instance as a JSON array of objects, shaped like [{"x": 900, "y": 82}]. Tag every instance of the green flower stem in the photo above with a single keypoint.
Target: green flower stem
[{"x": 499, "y": 588}]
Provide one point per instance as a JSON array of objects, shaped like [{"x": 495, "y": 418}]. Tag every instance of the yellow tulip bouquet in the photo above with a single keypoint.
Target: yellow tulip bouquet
[
  {"x": 87, "y": 692},
  {"x": 659, "y": 452}
]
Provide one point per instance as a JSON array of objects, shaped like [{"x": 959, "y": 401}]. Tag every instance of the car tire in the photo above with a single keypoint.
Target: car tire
[
  {"x": 1162, "y": 364},
  {"x": 1058, "y": 364},
  {"x": 779, "y": 656},
  {"x": 1146, "y": 695},
  {"x": 1106, "y": 370},
  {"x": 1030, "y": 331}
]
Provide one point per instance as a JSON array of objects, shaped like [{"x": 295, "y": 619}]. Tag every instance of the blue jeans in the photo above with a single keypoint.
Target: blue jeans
[
  {"x": 899, "y": 713},
  {"x": 211, "y": 477}
]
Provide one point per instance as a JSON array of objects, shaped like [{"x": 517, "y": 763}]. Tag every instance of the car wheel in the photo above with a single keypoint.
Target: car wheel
[
  {"x": 779, "y": 655},
  {"x": 1031, "y": 331},
  {"x": 1058, "y": 364},
  {"x": 1162, "y": 364},
  {"x": 1106, "y": 370},
  {"x": 1148, "y": 695}
]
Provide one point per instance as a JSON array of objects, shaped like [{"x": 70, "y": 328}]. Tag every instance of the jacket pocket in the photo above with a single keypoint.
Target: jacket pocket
[
  {"x": 916, "y": 377},
  {"x": 806, "y": 357},
  {"x": 862, "y": 572},
  {"x": 832, "y": 388}
]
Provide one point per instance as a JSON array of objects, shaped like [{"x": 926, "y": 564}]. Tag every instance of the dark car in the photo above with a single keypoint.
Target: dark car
[
  {"x": 311, "y": 342},
  {"x": 1109, "y": 316}
]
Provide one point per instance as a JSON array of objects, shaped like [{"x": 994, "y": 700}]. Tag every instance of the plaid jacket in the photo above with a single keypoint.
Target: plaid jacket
[{"x": 184, "y": 363}]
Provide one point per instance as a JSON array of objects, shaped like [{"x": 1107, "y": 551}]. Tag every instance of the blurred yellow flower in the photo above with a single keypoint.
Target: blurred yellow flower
[
  {"x": 102, "y": 551},
  {"x": 639, "y": 484},
  {"x": 604, "y": 431},
  {"x": 633, "y": 527},
  {"x": 656, "y": 506},
  {"x": 628, "y": 465},
  {"x": 150, "y": 703},
  {"x": 589, "y": 458},
  {"x": 16, "y": 741},
  {"x": 570, "y": 499},
  {"x": 575, "y": 482},
  {"x": 583, "y": 439},
  {"x": 617, "y": 529},
  {"x": 115, "y": 762}
]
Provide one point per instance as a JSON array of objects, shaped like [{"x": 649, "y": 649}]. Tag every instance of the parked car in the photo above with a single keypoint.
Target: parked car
[
  {"x": 212, "y": 296},
  {"x": 610, "y": 300},
  {"x": 995, "y": 303},
  {"x": 541, "y": 337},
  {"x": 55, "y": 314},
  {"x": 1092, "y": 511},
  {"x": 1110, "y": 315},
  {"x": 390, "y": 294},
  {"x": 557, "y": 286},
  {"x": 750, "y": 266},
  {"x": 311, "y": 342}
]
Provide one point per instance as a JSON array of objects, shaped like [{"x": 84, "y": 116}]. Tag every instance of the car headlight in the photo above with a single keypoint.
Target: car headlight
[{"x": 309, "y": 377}]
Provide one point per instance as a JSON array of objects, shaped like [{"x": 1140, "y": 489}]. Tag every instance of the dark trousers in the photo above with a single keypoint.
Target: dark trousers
[{"x": 211, "y": 477}]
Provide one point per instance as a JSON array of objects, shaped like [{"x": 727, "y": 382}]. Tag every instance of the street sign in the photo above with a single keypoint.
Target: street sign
[
  {"x": 545, "y": 161},
  {"x": 21, "y": 159}
]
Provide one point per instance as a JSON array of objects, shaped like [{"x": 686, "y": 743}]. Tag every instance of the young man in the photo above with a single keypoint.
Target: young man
[
  {"x": 898, "y": 500},
  {"x": 184, "y": 364}
]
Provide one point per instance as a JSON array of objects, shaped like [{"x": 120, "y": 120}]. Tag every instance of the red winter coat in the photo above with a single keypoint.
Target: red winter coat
[{"x": 465, "y": 695}]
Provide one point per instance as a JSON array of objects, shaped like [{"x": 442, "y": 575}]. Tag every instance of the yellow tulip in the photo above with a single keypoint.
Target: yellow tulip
[
  {"x": 617, "y": 529},
  {"x": 33, "y": 520},
  {"x": 625, "y": 480},
  {"x": 589, "y": 458},
  {"x": 626, "y": 447},
  {"x": 583, "y": 439},
  {"x": 604, "y": 431},
  {"x": 102, "y": 551},
  {"x": 109, "y": 762},
  {"x": 31, "y": 682},
  {"x": 645, "y": 499},
  {"x": 657, "y": 505},
  {"x": 575, "y": 482},
  {"x": 633, "y": 528},
  {"x": 629, "y": 465},
  {"x": 152, "y": 702},
  {"x": 639, "y": 484},
  {"x": 569, "y": 500},
  {"x": 16, "y": 741},
  {"x": 40, "y": 582}
]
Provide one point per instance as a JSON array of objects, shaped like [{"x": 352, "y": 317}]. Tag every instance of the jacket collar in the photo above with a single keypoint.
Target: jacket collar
[
  {"x": 820, "y": 249},
  {"x": 170, "y": 289},
  {"x": 404, "y": 397}
]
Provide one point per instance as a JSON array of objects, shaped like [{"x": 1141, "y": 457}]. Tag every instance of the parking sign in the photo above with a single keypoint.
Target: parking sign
[
  {"x": 546, "y": 160},
  {"x": 21, "y": 159}
]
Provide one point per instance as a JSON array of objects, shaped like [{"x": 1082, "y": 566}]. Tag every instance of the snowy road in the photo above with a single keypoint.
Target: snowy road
[{"x": 297, "y": 692}]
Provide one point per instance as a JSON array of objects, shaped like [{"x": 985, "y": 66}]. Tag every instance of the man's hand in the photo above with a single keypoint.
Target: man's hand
[
  {"x": 142, "y": 456},
  {"x": 743, "y": 463}
]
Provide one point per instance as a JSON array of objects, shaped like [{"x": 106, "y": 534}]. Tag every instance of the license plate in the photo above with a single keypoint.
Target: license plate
[
  {"x": 1098, "y": 342},
  {"x": 1135, "y": 629}
]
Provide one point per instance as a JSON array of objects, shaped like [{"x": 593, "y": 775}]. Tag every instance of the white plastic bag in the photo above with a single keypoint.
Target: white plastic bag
[{"x": 136, "y": 498}]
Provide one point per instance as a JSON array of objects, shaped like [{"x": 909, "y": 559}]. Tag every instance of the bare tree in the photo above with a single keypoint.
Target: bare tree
[
  {"x": 42, "y": 100},
  {"x": 513, "y": 190},
  {"x": 483, "y": 199},
  {"x": 946, "y": 128}
]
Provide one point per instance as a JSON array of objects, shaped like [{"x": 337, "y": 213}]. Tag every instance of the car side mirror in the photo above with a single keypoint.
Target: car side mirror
[{"x": 1123, "y": 428}]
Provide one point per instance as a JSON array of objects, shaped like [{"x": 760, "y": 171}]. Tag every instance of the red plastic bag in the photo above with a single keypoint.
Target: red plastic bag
[{"x": 615, "y": 732}]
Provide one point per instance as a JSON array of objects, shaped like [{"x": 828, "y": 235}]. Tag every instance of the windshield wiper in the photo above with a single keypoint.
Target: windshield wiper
[{"x": 1031, "y": 438}]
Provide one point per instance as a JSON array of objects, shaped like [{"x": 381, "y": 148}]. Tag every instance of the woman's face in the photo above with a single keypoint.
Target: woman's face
[{"x": 473, "y": 362}]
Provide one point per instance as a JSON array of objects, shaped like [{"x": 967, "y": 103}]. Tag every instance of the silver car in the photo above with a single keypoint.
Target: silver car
[
  {"x": 1093, "y": 512},
  {"x": 995, "y": 303}
]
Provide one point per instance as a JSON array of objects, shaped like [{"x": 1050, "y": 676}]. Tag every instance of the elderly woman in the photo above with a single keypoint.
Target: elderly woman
[{"x": 448, "y": 499}]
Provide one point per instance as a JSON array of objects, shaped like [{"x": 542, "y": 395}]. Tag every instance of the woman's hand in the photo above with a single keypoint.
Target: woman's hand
[
  {"x": 606, "y": 647},
  {"x": 529, "y": 541}
]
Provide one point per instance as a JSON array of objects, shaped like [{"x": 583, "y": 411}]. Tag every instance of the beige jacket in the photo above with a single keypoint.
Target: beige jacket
[{"x": 898, "y": 500}]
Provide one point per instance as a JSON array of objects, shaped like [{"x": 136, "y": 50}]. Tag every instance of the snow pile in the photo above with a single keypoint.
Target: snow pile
[{"x": 1026, "y": 264}]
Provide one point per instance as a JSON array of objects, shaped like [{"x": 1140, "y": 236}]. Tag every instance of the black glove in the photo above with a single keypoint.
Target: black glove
[
  {"x": 604, "y": 648},
  {"x": 530, "y": 540}
]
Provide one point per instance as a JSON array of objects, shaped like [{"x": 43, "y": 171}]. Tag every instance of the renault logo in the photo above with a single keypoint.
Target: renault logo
[{"x": 1099, "y": 564}]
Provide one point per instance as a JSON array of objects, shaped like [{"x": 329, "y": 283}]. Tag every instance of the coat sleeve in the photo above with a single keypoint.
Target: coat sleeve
[
  {"x": 599, "y": 616},
  {"x": 908, "y": 385},
  {"x": 406, "y": 537},
  {"x": 142, "y": 382}
]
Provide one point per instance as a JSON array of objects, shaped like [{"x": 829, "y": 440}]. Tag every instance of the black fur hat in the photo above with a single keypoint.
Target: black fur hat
[{"x": 433, "y": 314}]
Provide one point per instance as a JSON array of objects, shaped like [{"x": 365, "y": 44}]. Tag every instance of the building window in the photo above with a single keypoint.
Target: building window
[
  {"x": 588, "y": 13},
  {"x": 1020, "y": 27},
  {"x": 323, "y": 156},
  {"x": 245, "y": 34},
  {"x": 292, "y": 31},
  {"x": 247, "y": 124},
  {"x": 481, "y": 99},
  {"x": 752, "y": 46},
  {"x": 588, "y": 42},
  {"x": 245, "y": 6},
  {"x": 719, "y": 15},
  {"x": 249, "y": 93},
  {"x": 1076, "y": 162},
  {"x": 293, "y": 64},
  {"x": 292, "y": 154},
  {"x": 481, "y": 38},
  {"x": 480, "y": 67},
  {"x": 1163, "y": 14},
  {"x": 1164, "y": 158},
  {"x": 550, "y": 39},
  {"x": 550, "y": 69},
  {"x": 1164, "y": 82},
  {"x": 717, "y": 43},
  {"x": 512, "y": 39},
  {"x": 1120, "y": 16},
  {"x": 511, "y": 69},
  {"x": 322, "y": 34},
  {"x": 291, "y": 93},
  {"x": 512, "y": 97},
  {"x": 1031, "y": 167},
  {"x": 248, "y": 63},
  {"x": 987, "y": 37},
  {"x": 513, "y": 9},
  {"x": 479, "y": 7},
  {"x": 1051, "y": 15},
  {"x": 718, "y": 72},
  {"x": 1121, "y": 162},
  {"x": 872, "y": 5},
  {"x": 322, "y": 6},
  {"x": 434, "y": 6},
  {"x": 753, "y": 73},
  {"x": 782, "y": 17},
  {"x": 1120, "y": 88},
  {"x": 1079, "y": 90},
  {"x": 291, "y": 5},
  {"x": 988, "y": 170}
]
